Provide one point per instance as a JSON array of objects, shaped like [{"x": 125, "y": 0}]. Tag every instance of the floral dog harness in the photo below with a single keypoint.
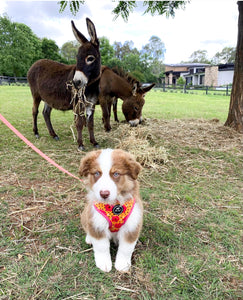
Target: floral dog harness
[{"x": 116, "y": 215}]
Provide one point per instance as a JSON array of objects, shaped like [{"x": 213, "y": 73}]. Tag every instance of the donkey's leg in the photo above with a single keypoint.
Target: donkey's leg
[
  {"x": 80, "y": 123},
  {"x": 47, "y": 116},
  {"x": 109, "y": 109},
  {"x": 35, "y": 111},
  {"x": 106, "y": 114},
  {"x": 90, "y": 124},
  {"x": 114, "y": 103}
]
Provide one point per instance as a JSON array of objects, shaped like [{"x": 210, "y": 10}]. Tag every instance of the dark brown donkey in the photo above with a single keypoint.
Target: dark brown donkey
[
  {"x": 117, "y": 84},
  {"x": 48, "y": 81}
]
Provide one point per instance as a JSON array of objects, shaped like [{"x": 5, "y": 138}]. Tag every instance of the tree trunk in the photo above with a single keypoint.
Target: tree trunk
[{"x": 235, "y": 116}]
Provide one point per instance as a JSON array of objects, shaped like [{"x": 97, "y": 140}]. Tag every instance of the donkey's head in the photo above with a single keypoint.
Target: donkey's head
[
  {"x": 133, "y": 105},
  {"x": 88, "y": 58}
]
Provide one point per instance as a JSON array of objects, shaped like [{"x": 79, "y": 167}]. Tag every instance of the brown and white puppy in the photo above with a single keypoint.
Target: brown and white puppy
[{"x": 114, "y": 209}]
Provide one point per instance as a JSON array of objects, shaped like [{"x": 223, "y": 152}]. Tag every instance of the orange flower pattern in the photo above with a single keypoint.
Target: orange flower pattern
[{"x": 116, "y": 215}]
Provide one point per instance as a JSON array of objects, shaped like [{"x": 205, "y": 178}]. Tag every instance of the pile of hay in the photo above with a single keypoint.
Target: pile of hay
[
  {"x": 142, "y": 144},
  {"x": 196, "y": 133},
  {"x": 148, "y": 141},
  {"x": 146, "y": 155}
]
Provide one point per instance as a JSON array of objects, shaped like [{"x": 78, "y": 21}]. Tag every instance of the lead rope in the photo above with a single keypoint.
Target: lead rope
[{"x": 33, "y": 147}]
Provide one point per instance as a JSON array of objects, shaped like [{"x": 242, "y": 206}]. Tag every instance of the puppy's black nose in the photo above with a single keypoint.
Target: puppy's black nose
[{"x": 104, "y": 194}]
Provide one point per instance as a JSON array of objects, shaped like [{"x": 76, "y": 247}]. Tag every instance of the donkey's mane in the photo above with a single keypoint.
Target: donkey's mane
[{"x": 131, "y": 80}]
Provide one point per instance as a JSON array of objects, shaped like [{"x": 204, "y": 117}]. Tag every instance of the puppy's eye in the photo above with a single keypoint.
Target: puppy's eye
[
  {"x": 89, "y": 59},
  {"x": 116, "y": 175},
  {"x": 135, "y": 108},
  {"x": 97, "y": 174}
]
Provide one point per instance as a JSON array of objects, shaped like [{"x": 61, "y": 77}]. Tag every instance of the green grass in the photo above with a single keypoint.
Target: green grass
[
  {"x": 178, "y": 105},
  {"x": 190, "y": 246}
]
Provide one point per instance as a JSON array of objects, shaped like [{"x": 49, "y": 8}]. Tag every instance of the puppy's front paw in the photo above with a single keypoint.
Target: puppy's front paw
[
  {"x": 103, "y": 263},
  {"x": 122, "y": 265},
  {"x": 88, "y": 240}
]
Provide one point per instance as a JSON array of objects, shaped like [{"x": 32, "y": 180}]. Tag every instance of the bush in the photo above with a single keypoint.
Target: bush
[{"x": 181, "y": 80}]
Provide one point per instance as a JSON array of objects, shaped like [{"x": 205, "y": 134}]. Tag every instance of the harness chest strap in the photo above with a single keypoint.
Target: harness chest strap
[{"x": 116, "y": 215}]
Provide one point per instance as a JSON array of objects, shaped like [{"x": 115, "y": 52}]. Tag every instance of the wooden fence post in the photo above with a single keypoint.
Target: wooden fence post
[
  {"x": 163, "y": 86},
  {"x": 184, "y": 88},
  {"x": 206, "y": 89}
]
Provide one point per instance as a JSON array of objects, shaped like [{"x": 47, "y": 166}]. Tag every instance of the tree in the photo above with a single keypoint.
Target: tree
[
  {"x": 235, "y": 115},
  {"x": 199, "y": 56},
  {"x": 117, "y": 47},
  {"x": 107, "y": 52},
  {"x": 50, "y": 50},
  {"x": 155, "y": 48},
  {"x": 153, "y": 53},
  {"x": 122, "y": 50},
  {"x": 227, "y": 55},
  {"x": 132, "y": 62},
  {"x": 69, "y": 51},
  {"x": 19, "y": 48}
]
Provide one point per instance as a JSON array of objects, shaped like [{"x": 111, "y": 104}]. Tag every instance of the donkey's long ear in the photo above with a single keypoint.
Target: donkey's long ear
[
  {"x": 145, "y": 89},
  {"x": 92, "y": 32},
  {"x": 134, "y": 89},
  {"x": 78, "y": 35}
]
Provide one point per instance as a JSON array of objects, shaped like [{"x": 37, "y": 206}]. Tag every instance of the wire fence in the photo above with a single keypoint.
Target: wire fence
[
  {"x": 171, "y": 88},
  {"x": 194, "y": 89},
  {"x": 7, "y": 80}
]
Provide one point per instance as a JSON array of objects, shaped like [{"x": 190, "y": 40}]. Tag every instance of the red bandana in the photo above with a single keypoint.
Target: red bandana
[{"x": 116, "y": 215}]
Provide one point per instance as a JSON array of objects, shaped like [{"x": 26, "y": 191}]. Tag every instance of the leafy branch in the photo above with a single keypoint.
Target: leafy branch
[
  {"x": 73, "y": 6},
  {"x": 124, "y": 8}
]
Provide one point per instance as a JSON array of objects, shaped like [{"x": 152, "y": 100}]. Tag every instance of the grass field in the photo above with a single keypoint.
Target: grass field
[{"x": 191, "y": 185}]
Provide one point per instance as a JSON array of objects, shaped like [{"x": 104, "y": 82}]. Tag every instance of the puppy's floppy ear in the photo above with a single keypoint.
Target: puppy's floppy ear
[
  {"x": 87, "y": 161},
  {"x": 134, "y": 167}
]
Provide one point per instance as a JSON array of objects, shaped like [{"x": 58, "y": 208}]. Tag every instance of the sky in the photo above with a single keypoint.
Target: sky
[{"x": 203, "y": 25}]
